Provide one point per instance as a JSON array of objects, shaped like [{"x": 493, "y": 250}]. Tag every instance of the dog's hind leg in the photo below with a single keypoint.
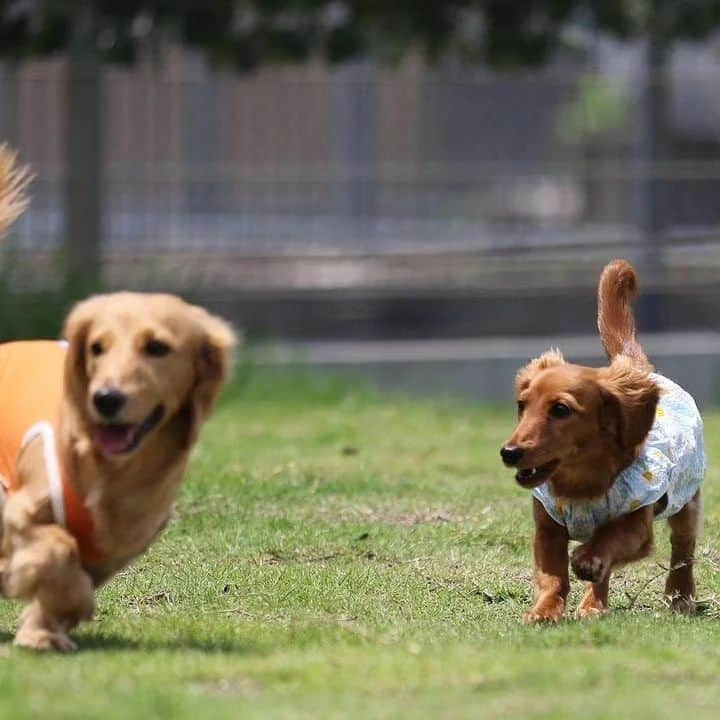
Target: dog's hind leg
[{"x": 680, "y": 585}]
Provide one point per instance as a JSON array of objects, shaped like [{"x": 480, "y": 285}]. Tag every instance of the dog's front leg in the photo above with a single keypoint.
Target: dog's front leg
[
  {"x": 43, "y": 567},
  {"x": 551, "y": 568},
  {"x": 622, "y": 540}
]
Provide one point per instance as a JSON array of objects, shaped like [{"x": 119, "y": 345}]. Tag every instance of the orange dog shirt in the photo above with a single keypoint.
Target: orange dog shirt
[{"x": 31, "y": 390}]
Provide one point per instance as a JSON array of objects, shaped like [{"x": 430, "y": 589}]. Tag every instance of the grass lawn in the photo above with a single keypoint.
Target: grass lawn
[{"x": 338, "y": 553}]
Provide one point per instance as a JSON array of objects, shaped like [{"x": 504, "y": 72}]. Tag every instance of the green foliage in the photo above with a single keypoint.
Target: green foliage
[
  {"x": 27, "y": 313},
  {"x": 249, "y": 33},
  {"x": 31, "y": 315},
  {"x": 597, "y": 108},
  {"x": 338, "y": 554}
]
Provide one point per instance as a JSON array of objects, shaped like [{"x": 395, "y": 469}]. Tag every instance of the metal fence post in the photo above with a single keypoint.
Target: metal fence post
[
  {"x": 354, "y": 107},
  {"x": 83, "y": 159}
]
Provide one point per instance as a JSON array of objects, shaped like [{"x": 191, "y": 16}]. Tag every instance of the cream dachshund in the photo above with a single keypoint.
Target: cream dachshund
[{"x": 95, "y": 435}]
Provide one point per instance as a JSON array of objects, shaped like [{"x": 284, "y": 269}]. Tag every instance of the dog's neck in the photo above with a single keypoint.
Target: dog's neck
[
  {"x": 129, "y": 499},
  {"x": 592, "y": 476}
]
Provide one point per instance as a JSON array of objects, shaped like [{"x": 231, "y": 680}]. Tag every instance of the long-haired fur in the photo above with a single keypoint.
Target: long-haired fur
[
  {"x": 14, "y": 180},
  {"x": 617, "y": 289}
]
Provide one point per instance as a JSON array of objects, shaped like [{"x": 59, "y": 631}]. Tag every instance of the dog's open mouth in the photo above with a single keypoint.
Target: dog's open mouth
[
  {"x": 532, "y": 477},
  {"x": 121, "y": 438}
]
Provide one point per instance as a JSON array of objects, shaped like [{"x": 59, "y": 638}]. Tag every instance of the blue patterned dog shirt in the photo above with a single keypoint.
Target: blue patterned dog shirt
[{"x": 671, "y": 463}]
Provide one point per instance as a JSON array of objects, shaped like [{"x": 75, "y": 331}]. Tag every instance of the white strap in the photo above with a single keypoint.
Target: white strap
[{"x": 44, "y": 429}]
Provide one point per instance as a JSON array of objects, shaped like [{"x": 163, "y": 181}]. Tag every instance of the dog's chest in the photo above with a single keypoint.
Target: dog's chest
[{"x": 126, "y": 526}]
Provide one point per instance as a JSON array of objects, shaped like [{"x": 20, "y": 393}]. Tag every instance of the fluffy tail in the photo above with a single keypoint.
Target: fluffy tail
[
  {"x": 616, "y": 322},
  {"x": 13, "y": 183}
]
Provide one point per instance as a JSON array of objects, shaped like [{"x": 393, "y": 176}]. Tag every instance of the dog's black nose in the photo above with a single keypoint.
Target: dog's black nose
[
  {"x": 108, "y": 402},
  {"x": 511, "y": 454}
]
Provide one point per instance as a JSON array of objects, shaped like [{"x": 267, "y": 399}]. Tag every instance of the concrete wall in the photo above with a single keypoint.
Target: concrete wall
[{"x": 483, "y": 370}]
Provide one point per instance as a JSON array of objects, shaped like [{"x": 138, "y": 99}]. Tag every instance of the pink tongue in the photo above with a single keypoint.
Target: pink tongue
[{"x": 113, "y": 439}]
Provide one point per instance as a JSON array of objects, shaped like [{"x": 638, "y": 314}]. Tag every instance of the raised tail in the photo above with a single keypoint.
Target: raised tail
[
  {"x": 616, "y": 322},
  {"x": 14, "y": 180}
]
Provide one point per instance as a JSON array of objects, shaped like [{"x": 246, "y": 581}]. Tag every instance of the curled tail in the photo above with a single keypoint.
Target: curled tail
[
  {"x": 617, "y": 288},
  {"x": 13, "y": 183}
]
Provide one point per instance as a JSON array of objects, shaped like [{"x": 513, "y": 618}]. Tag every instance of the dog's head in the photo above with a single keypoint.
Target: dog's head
[
  {"x": 138, "y": 361},
  {"x": 578, "y": 425}
]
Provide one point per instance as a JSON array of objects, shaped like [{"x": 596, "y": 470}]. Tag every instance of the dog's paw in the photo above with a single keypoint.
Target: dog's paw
[
  {"x": 545, "y": 613},
  {"x": 588, "y": 612},
  {"x": 38, "y": 639},
  {"x": 586, "y": 565},
  {"x": 681, "y": 604}
]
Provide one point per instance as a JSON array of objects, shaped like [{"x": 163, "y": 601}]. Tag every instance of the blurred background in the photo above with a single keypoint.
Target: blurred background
[{"x": 419, "y": 193}]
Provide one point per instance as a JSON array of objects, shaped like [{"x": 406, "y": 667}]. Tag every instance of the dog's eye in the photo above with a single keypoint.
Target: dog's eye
[
  {"x": 156, "y": 348},
  {"x": 560, "y": 411},
  {"x": 96, "y": 348},
  {"x": 520, "y": 407}
]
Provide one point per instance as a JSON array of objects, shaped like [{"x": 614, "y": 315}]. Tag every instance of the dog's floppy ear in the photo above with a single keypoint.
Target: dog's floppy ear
[
  {"x": 75, "y": 332},
  {"x": 551, "y": 358},
  {"x": 214, "y": 355},
  {"x": 630, "y": 399}
]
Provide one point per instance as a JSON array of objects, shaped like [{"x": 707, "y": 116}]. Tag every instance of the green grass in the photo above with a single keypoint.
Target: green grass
[{"x": 338, "y": 553}]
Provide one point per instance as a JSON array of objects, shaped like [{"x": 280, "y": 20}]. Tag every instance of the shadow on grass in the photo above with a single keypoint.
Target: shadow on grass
[
  {"x": 115, "y": 642},
  {"x": 613, "y": 620},
  {"x": 109, "y": 642}
]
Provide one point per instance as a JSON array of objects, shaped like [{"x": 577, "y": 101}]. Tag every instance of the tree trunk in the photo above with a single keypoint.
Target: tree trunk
[
  {"x": 9, "y": 103},
  {"x": 83, "y": 160}
]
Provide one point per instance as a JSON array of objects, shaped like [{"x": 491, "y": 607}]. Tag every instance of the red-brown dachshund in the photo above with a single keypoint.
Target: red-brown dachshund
[{"x": 606, "y": 451}]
